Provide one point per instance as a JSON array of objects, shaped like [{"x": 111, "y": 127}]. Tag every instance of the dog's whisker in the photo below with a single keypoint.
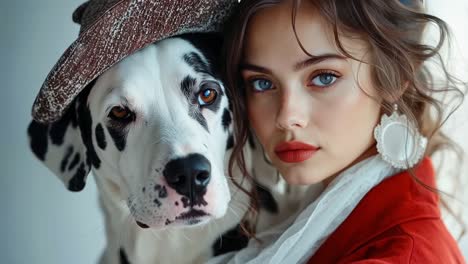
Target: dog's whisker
[
  {"x": 234, "y": 212},
  {"x": 241, "y": 206},
  {"x": 186, "y": 237},
  {"x": 155, "y": 234}
]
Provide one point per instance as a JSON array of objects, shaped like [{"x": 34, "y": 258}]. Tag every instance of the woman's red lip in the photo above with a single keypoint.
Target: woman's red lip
[
  {"x": 294, "y": 151},
  {"x": 294, "y": 146},
  {"x": 295, "y": 156}
]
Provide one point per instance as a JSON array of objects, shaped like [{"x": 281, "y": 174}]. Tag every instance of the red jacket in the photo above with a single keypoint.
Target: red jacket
[{"x": 398, "y": 221}]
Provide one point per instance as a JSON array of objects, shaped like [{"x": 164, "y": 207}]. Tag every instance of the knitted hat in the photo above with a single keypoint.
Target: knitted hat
[{"x": 113, "y": 29}]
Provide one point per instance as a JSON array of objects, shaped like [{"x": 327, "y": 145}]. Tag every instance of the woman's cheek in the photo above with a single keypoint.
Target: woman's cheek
[{"x": 339, "y": 119}]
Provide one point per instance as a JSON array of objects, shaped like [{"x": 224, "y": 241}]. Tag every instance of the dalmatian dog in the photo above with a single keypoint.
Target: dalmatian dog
[{"x": 156, "y": 131}]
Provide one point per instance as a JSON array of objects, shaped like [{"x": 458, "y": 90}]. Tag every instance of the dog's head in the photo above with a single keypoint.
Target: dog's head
[{"x": 154, "y": 128}]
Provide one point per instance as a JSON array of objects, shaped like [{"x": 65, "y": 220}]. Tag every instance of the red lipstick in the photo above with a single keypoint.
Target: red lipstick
[{"x": 294, "y": 151}]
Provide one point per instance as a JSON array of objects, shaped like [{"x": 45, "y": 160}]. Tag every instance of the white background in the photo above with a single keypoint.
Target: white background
[{"x": 41, "y": 222}]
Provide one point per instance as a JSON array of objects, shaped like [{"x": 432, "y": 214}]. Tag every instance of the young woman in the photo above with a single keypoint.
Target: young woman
[{"x": 338, "y": 93}]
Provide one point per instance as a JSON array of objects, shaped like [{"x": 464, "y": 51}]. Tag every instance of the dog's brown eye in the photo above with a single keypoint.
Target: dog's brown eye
[
  {"x": 207, "y": 96},
  {"x": 119, "y": 113}
]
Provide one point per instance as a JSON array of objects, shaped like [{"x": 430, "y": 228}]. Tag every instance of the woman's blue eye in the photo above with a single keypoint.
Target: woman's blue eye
[
  {"x": 324, "y": 79},
  {"x": 261, "y": 84}
]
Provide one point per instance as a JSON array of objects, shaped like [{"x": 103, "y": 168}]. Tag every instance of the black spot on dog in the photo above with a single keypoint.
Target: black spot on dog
[
  {"x": 119, "y": 136},
  {"x": 75, "y": 161},
  {"x": 210, "y": 46},
  {"x": 232, "y": 240},
  {"x": 163, "y": 192},
  {"x": 38, "y": 135},
  {"x": 230, "y": 142},
  {"x": 176, "y": 203},
  {"x": 68, "y": 153},
  {"x": 157, "y": 202},
  {"x": 123, "y": 257},
  {"x": 226, "y": 121},
  {"x": 186, "y": 87},
  {"x": 140, "y": 224},
  {"x": 168, "y": 222},
  {"x": 100, "y": 137},
  {"x": 196, "y": 62},
  {"x": 191, "y": 217},
  {"x": 266, "y": 200},
  {"x": 59, "y": 128},
  {"x": 185, "y": 202},
  {"x": 197, "y": 115},
  {"x": 157, "y": 187},
  {"x": 85, "y": 121},
  {"x": 143, "y": 189},
  {"x": 77, "y": 182},
  {"x": 197, "y": 200}
]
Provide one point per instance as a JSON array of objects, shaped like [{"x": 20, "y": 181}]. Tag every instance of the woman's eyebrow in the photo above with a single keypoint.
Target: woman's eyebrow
[
  {"x": 314, "y": 59},
  {"x": 298, "y": 66},
  {"x": 255, "y": 68}
]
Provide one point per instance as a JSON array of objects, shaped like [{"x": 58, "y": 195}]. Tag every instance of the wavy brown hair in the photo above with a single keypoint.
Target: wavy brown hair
[{"x": 398, "y": 63}]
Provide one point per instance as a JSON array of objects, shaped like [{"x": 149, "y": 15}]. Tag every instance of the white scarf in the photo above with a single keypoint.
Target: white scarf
[{"x": 298, "y": 238}]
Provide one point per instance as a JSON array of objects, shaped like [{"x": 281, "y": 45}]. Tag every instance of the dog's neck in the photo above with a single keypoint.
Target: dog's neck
[{"x": 125, "y": 239}]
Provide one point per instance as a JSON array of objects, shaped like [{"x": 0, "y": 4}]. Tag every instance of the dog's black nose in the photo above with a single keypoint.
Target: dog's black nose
[{"x": 189, "y": 176}]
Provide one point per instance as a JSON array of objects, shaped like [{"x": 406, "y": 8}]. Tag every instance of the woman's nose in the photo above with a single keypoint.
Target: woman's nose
[{"x": 292, "y": 112}]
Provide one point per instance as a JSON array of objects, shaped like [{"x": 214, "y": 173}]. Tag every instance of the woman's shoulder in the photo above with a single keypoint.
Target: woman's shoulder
[
  {"x": 398, "y": 221},
  {"x": 418, "y": 241}
]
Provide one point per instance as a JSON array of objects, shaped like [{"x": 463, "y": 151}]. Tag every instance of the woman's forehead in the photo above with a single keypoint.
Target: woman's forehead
[{"x": 270, "y": 32}]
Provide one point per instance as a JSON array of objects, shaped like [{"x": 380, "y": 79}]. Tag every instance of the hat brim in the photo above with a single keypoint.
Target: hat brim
[{"x": 125, "y": 28}]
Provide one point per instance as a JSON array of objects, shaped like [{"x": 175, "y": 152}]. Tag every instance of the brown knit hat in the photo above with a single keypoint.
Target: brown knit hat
[{"x": 113, "y": 29}]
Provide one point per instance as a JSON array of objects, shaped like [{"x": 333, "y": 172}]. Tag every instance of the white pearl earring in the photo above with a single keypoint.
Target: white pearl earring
[{"x": 398, "y": 140}]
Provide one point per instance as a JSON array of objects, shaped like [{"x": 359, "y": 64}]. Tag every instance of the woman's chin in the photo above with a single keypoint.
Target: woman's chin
[{"x": 301, "y": 176}]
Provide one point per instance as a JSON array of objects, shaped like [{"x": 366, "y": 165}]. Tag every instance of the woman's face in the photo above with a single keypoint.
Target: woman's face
[{"x": 314, "y": 116}]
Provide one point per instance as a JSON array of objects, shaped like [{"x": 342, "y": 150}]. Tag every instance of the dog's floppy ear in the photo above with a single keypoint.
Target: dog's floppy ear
[{"x": 63, "y": 146}]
